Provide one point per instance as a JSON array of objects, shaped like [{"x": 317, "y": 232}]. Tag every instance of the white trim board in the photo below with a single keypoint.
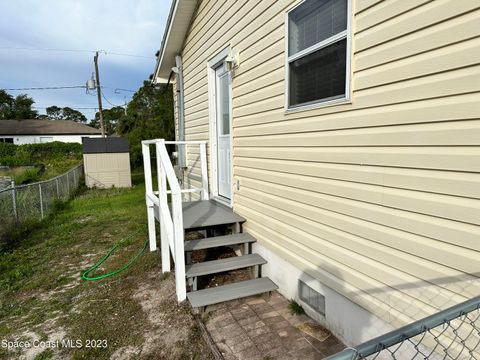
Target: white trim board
[{"x": 211, "y": 65}]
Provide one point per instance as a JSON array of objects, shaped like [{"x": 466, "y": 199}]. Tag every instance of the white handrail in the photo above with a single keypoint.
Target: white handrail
[
  {"x": 168, "y": 167},
  {"x": 171, "y": 222},
  {"x": 154, "y": 141},
  {"x": 167, "y": 223},
  {"x": 198, "y": 142}
]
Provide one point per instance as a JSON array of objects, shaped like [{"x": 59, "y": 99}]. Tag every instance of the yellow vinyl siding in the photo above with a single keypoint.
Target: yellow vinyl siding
[
  {"x": 419, "y": 18},
  {"x": 433, "y": 37},
  {"x": 378, "y": 199}
]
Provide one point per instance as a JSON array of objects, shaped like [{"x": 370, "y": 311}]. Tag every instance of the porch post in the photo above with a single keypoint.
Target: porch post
[
  {"x": 203, "y": 163},
  {"x": 162, "y": 196},
  {"x": 149, "y": 192},
  {"x": 178, "y": 230}
]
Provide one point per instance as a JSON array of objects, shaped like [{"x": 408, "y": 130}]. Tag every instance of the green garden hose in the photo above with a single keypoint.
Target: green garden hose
[{"x": 112, "y": 250}]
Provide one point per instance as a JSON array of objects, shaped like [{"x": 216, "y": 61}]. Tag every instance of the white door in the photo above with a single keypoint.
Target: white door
[{"x": 223, "y": 118}]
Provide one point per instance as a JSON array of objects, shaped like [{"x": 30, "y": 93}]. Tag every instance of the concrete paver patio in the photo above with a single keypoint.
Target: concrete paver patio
[{"x": 262, "y": 327}]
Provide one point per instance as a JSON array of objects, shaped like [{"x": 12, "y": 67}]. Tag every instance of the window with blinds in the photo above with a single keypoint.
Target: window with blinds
[{"x": 317, "y": 52}]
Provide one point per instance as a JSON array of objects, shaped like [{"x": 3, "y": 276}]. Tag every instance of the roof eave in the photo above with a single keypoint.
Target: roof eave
[{"x": 176, "y": 29}]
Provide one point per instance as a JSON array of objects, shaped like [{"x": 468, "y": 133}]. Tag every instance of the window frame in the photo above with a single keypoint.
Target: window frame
[{"x": 346, "y": 34}]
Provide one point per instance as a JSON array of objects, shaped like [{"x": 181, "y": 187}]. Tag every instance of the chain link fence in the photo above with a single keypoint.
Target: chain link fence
[
  {"x": 452, "y": 334},
  {"x": 22, "y": 203}
]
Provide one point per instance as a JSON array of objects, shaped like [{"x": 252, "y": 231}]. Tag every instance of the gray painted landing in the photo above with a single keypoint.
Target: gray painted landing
[{"x": 198, "y": 214}]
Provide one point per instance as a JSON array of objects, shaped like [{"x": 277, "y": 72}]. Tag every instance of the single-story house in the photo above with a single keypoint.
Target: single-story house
[
  {"x": 347, "y": 134},
  {"x": 33, "y": 131}
]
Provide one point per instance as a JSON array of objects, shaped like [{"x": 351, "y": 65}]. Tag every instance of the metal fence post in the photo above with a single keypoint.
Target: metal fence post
[
  {"x": 58, "y": 189},
  {"x": 68, "y": 185},
  {"x": 74, "y": 179},
  {"x": 14, "y": 201},
  {"x": 41, "y": 199}
]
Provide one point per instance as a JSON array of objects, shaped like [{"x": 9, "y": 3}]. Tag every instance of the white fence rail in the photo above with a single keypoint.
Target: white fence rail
[
  {"x": 170, "y": 217},
  {"x": 35, "y": 201}
]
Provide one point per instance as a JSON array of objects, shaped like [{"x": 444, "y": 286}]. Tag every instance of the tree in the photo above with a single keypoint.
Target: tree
[
  {"x": 66, "y": 113},
  {"x": 54, "y": 113},
  {"x": 149, "y": 116},
  {"x": 6, "y": 105},
  {"x": 17, "y": 108},
  {"x": 74, "y": 115},
  {"x": 111, "y": 117},
  {"x": 22, "y": 107}
]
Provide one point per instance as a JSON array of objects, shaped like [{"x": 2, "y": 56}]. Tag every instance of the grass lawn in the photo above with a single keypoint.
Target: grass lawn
[{"x": 43, "y": 298}]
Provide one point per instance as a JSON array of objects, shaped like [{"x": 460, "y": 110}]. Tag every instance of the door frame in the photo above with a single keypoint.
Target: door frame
[{"x": 212, "y": 114}]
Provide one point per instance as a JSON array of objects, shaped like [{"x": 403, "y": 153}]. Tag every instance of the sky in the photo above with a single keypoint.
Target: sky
[{"x": 115, "y": 26}]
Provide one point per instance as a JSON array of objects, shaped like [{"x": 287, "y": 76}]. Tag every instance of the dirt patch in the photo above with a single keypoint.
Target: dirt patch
[
  {"x": 170, "y": 325},
  {"x": 125, "y": 353}
]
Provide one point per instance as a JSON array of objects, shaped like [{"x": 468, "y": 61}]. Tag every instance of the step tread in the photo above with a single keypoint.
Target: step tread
[
  {"x": 205, "y": 213},
  {"x": 216, "y": 241},
  {"x": 231, "y": 292},
  {"x": 216, "y": 266}
]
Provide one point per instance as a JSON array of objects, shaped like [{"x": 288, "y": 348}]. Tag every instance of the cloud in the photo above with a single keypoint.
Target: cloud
[{"x": 121, "y": 26}]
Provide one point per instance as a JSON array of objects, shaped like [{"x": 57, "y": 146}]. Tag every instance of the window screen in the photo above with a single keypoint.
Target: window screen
[{"x": 317, "y": 49}]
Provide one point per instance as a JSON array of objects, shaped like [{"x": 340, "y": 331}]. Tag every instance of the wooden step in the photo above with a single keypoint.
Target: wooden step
[
  {"x": 217, "y": 241},
  {"x": 217, "y": 266},
  {"x": 231, "y": 292},
  {"x": 205, "y": 213}
]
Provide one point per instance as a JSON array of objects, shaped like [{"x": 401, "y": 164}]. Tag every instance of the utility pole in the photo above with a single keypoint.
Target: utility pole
[{"x": 99, "y": 94}]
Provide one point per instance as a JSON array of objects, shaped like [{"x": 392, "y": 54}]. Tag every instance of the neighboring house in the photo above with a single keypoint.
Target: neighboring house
[
  {"x": 42, "y": 131},
  {"x": 347, "y": 133}
]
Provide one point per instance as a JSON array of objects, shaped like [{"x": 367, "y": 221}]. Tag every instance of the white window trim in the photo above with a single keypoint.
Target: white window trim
[
  {"x": 212, "y": 114},
  {"x": 348, "y": 68}
]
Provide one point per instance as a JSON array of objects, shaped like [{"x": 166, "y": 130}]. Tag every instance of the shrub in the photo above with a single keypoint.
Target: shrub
[
  {"x": 295, "y": 308},
  {"x": 7, "y": 149},
  {"x": 27, "y": 176},
  {"x": 34, "y": 154}
]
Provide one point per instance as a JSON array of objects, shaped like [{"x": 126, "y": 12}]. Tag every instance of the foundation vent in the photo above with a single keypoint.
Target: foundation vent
[{"x": 311, "y": 297}]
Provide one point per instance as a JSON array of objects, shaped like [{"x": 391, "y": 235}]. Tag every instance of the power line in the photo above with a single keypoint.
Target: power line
[
  {"x": 77, "y": 51},
  {"x": 117, "y": 90},
  {"x": 44, "y": 49},
  {"x": 130, "y": 55},
  {"x": 48, "y": 88},
  {"x": 66, "y": 87},
  {"x": 108, "y": 101},
  {"x": 71, "y": 107}
]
